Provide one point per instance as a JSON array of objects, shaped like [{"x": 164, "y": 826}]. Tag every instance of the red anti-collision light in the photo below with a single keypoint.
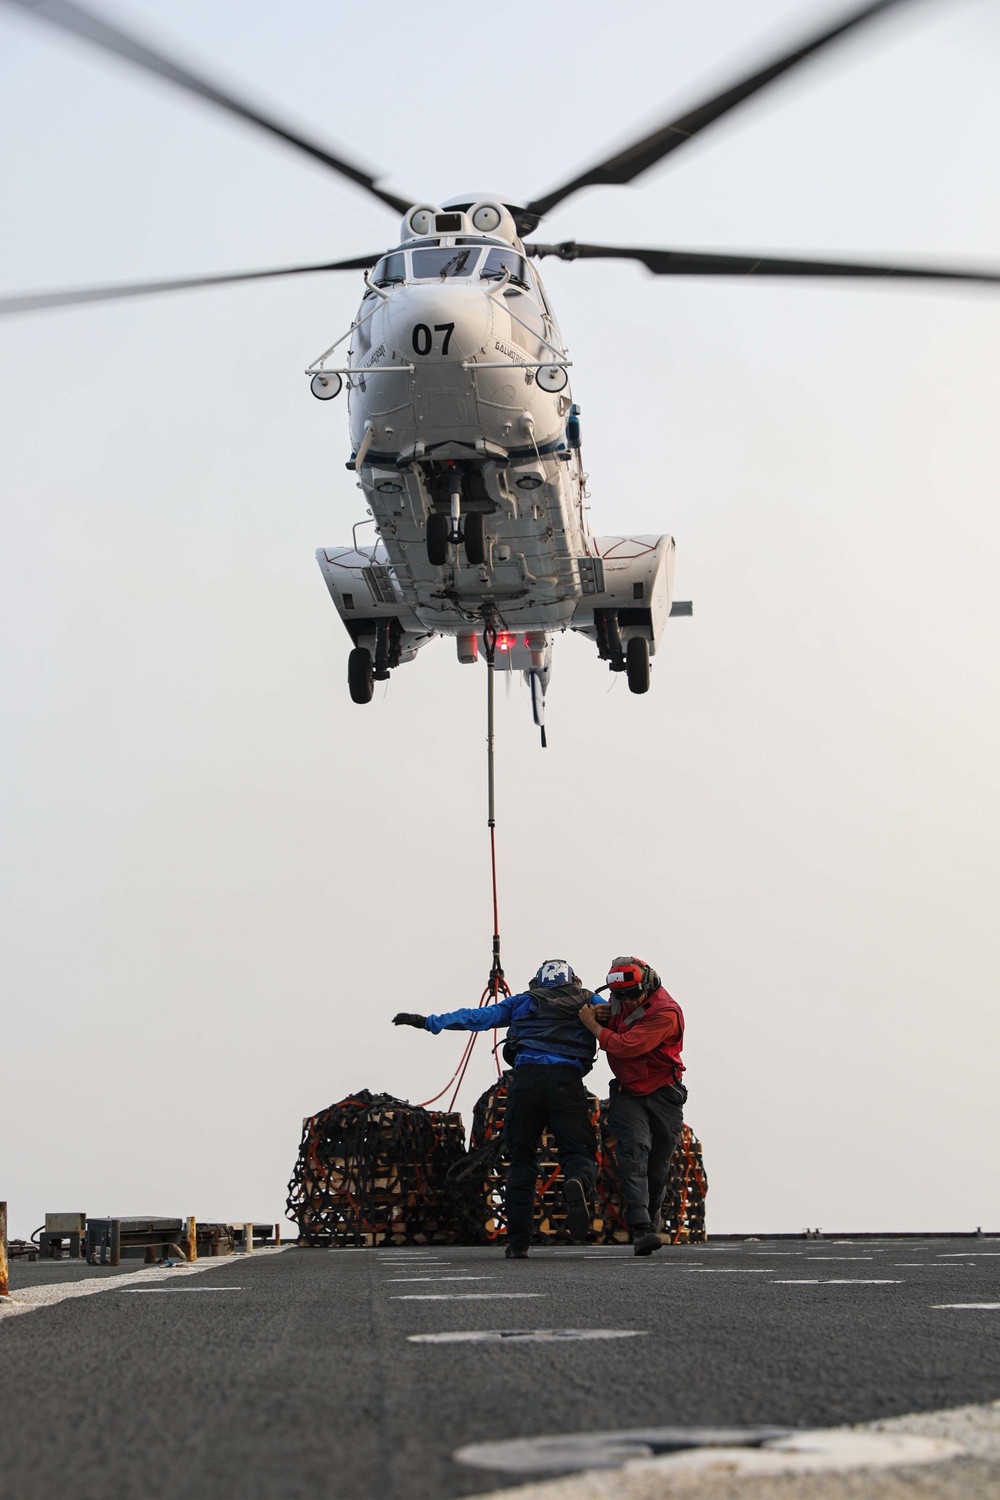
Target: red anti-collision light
[{"x": 505, "y": 640}]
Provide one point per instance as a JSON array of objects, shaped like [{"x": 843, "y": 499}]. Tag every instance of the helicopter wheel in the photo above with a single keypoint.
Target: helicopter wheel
[
  {"x": 361, "y": 675},
  {"x": 474, "y": 526},
  {"x": 438, "y": 533},
  {"x": 637, "y": 664}
]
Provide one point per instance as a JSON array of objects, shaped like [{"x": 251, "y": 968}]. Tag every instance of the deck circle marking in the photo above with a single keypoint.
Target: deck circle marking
[
  {"x": 570, "y": 1452},
  {"x": 720, "y": 1451}
]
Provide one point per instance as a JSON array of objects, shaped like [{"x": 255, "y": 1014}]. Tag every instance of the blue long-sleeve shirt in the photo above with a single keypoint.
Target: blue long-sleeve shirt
[{"x": 504, "y": 1013}]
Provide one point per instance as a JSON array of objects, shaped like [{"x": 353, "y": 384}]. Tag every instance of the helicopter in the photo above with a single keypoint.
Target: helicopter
[{"x": 465, "y": 438}]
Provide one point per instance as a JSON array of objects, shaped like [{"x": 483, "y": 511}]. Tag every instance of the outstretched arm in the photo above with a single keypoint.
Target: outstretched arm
[{"x": 483, "y": 1019}]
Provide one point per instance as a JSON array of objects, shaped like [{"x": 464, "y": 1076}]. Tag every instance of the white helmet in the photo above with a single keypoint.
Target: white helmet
[{"x": 552, "y": 972}]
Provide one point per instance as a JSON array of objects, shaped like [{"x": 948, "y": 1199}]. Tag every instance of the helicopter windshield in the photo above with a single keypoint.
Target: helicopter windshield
[
  {"x": 390, "y": 269},
  {"x": 443, "y": 263},
  {"x": 499, "y": 261}
]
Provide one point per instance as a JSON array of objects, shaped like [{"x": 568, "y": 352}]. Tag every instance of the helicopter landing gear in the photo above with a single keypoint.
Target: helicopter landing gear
[
  {"x": 474, "y": 533},
  {"x": 438, "y": 537},
  {"x": 446, "y": 531},
  {"x": 637, "y": 664},
  {"x": 388, "y": 639},
  {"x": 609, "y": 639},
  {"x": 631, "y": 657},
  {"x": 361, "y": 675}
]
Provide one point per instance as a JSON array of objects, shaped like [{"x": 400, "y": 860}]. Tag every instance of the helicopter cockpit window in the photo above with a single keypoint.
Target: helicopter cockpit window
[
  {"x": 443, "y": 263},
  {"x": 500, "y": 260},
  {"x": 390, "y": 270}
]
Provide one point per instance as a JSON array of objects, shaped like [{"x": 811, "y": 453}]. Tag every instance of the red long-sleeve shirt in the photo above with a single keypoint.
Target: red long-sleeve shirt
[{"x": 646, "y": 1054}]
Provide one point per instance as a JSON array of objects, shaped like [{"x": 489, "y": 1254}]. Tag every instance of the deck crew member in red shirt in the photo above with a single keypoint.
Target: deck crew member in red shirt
[{"x": 642, "y": 1032}]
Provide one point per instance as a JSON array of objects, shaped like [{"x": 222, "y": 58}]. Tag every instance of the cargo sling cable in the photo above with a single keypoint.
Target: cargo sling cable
[{"x": 496, "y": 985}]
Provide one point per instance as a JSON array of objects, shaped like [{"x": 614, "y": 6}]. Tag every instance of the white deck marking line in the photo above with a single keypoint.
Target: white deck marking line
[
  {"x": 31, "y": 1299},
  {"x": 400, "y": 1280},
  {"x": 980, "y": 1306},
  {"x": 728, "y": 1270},
  {"x": 168, "y": 1290},
  {"x": 838, "y": 1257},
  {"x": 460, "y": 1296},
  {"x": 525, "y": 1336},
  {"x": 838, "y": 1281}
]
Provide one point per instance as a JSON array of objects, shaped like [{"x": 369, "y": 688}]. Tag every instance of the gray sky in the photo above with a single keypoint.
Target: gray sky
[{"x": 221, "y": 878}]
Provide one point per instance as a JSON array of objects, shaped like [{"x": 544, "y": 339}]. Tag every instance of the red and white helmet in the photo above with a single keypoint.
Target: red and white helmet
[{"x": 630, "y": 978}]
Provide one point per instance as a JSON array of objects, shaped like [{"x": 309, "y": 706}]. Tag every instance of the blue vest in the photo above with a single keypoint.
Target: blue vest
[{"x": 553, "y": 1025}]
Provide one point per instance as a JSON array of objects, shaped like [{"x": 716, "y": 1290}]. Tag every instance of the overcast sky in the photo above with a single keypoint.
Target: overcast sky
[{"x": 221, "y": 878}]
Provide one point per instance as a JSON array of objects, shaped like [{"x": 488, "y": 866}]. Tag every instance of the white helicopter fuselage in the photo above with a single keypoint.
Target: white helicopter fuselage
[{"x": 466, "y": 445}]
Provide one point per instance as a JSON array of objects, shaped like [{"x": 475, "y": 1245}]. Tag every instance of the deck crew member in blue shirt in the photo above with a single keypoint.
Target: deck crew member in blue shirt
[{"x": 552, "y": 1051}]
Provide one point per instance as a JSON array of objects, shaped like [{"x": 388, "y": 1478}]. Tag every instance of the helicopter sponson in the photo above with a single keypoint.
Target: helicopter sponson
[{"x": 466, "y": 443}]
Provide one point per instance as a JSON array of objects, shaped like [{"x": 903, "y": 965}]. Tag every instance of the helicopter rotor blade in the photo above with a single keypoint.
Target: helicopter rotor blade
[
  {"x": 705, "y": 263},
  {"x": 36, "y": 301},
  {"x": 84, "y": 23},
  {"x": 626, "y": 165}
]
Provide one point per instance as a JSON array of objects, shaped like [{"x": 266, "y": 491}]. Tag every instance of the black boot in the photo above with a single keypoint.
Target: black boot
[
  {"x": 645, "y": 1240},
  {"x": 516, "y": 1252},
  {"x": 577, "y": 1210}
]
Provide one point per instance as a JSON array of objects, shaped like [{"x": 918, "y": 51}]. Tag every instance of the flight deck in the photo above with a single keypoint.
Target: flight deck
[{"x": 360, "y": 1374}]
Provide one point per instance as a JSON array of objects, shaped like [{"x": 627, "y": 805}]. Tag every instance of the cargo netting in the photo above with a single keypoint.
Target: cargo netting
[
  {"x": 374, "y": 1170},
  {"x": 371, "y": 1171}
]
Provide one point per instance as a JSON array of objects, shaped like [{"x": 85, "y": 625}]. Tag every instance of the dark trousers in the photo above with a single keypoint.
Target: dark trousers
[
  {"x": 647, "y": 1128},
  {"x": 543, "y": 1094}
]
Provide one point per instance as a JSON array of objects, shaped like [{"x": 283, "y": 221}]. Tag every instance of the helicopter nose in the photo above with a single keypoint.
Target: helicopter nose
[{"x": 434, "y": 324}]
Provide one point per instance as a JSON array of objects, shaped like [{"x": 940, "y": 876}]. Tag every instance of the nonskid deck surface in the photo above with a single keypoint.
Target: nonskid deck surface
[{"x": 333, "y": 1374}]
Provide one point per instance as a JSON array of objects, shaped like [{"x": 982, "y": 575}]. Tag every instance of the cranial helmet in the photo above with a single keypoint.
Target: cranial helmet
[
  {"x": 552, "y": 972},
  {"x": 630, "y": 978}
]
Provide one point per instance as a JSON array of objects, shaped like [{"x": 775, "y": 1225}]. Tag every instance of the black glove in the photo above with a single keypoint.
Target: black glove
[{"x": 407, "y": 1018}]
